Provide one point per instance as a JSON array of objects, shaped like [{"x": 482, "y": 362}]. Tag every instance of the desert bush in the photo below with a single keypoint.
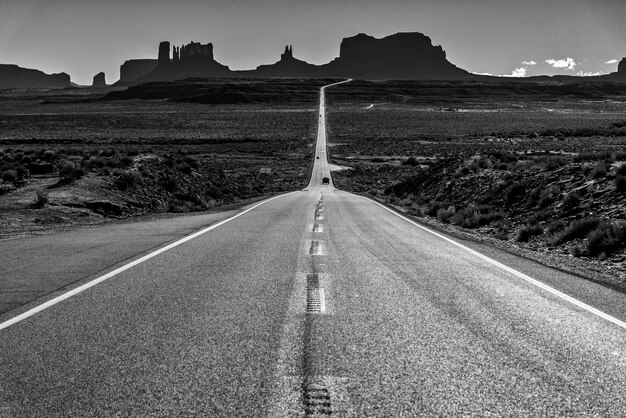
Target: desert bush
[
  {"x": 554, "y": 227},
  {"x": 528, "y": 231},
  {"x": 577, "y": 229},
  {"x": 462, "y": 171},
  {"x": 126, "y": 161},
  {"x": 514, "y": 192},
  {"x": 127, "y": 180},
  {"x": 505, "y": 157},
  {"x": 621, "y": 169},
  {"x": 606, "y": 239},
  {"x": 169, "y": 183},
  {"x": 539, "y": 216},
  {"x": 620, "y": 156},
  {"x": 571, "y": 201},
  {"x": 41, "y": 198},
  {"x": 552, "y": 163},
  {"x": 548, "y": 195},
  {"x": 433, "y": 207},
  {"x": 412, "y": 161},
  {"x": 620, "y": 183},
  {"x": 69, "y": 171},
  {"x": 522, "y": 165},
  {"x": 444, "y": 215},
  {"x": 475, "y": 216},
  {"x": 9, "y": 175},
  {"x": 595, "y": 156},
  {"x": 599, "y": 171}
]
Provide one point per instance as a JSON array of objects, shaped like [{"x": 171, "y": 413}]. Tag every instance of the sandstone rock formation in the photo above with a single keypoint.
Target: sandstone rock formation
[
  {"x": 403, "y": 56},
  {"x": 399, "y": 56},
  {"x": 164, "y": 53},
  {"x": 12, "y": 76},
  {"x": 288, "y": 66},
  {"x": 622, "y": 65},
  {"x": 99, "y": 80},
  {"x": 133, "y": 69},
  {"x": 191, "y": 60}
]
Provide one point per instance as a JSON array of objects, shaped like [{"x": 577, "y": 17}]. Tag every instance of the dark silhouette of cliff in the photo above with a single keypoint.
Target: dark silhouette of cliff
[
  {"x": 12, "y": 76},
  {"x": 187, "y": 61},
  {"x": 400, "y": 56},
  {"x": 288, "y": 66},
  {"x": 133, "y": 69},
  {"x": 621, "y": 67},
  {"x": 99, "y": 80}
]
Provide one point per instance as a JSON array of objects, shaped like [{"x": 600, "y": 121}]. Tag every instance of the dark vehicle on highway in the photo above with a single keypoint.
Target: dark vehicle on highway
[{"x": 325, "y": 180}]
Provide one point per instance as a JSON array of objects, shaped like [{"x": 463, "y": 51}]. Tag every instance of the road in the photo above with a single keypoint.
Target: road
[{"x": 318, "y": 303}]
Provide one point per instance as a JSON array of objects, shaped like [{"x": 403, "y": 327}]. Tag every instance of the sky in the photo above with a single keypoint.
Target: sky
[{"x": 499, "y": 37}]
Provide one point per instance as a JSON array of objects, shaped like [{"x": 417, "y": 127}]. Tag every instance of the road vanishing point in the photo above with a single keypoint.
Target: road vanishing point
[{"x": 313, "y": 303}]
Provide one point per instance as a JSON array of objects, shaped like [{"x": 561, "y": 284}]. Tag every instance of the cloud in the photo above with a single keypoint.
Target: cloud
[
  {"x": 518, "y": 72},
  {"x": 482, "y": 73},
  {"x": 531, "y": 62},
  {"x": 611, "y": 61},
  {"x": 567, "y": 63},
  {"x": 589, "y": 73}
]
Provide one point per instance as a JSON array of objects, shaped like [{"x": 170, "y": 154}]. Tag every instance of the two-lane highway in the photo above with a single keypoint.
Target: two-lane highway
[{"x": 317, "y": 303}]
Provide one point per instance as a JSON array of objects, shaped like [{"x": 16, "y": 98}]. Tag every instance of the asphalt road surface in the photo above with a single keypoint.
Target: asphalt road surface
[{"x": 318, "y": 303}]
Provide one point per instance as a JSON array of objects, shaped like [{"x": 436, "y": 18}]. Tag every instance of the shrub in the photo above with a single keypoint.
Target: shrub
[
  {"x": 606, "y": 239},
  {"x": 620, "y": 169},
  {"x": 548, "y": 195},
  {"x": 514, "y": 193},
  {"x": 126, "y": 161},
  {"x": 444, "y": 215},
  {"x": 69, "y": 171},
  {"x": 412, "y": 161},
  {"x": 528, "y": 231},
  {"x": 462, "y": 171},
  {"x": 127, "y": 180},
  {"x": 533, "y": 197},
  {"x": 169, "y": 183},
  {"x": 433, "y": 207},
  {"x": 554, "y": 227},
  {"x": 475, "y": 216},
  {"x": 539, "y": 216},
  {"x": 620, "y": 183},
  {"x": 41, "y": 198},
  {"x": 9, "y": 175},
  {"x": 598, "y": 171},
  {"x": 571, "y": 201},
  {"x": 594, "y": 156},
  {"x": 577, "y": 229}
]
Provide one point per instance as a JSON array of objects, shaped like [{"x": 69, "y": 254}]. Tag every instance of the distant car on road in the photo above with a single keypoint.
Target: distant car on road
[
  {"x": 325, "y": 180},
  {"x": 317, "y": 158}
]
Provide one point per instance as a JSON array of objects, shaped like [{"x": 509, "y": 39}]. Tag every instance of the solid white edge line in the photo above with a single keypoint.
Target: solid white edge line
[
  {"x": 322, "y": 299},
  {"x": 125, "y": 267},
  {"x": 519, "y": 274}
]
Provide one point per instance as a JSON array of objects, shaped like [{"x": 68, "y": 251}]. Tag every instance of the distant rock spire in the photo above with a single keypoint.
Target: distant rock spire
[
  {"x": 99, "y": 80},
  {"x": 288, "y": 53},
  {"x": 164, "y": 53},
  {"x": 622, "y": 65}
]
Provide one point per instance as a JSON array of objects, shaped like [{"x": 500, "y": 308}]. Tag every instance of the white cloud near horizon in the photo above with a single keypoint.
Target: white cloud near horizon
[
  {"x": 518, "y": 72},
  {"x": 567, "y": 63},
  {"x": 531, "y": 62},
  {"x": 611, "y": 61},
  {"x": 589, "y": 73}
]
